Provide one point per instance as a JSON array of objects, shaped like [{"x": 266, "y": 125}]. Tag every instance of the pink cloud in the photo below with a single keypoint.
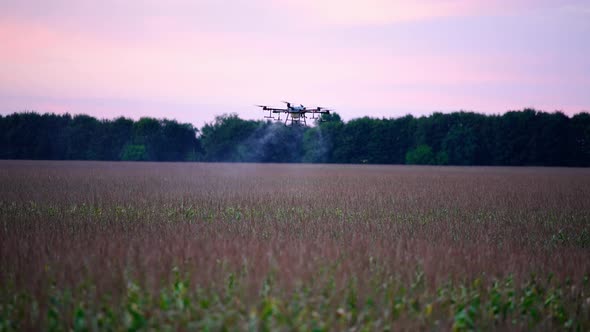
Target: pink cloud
[
  {"x": 299, "y": 51},
  {"x": 392, "y": 11},
  {"x": 22, "y": 42}
]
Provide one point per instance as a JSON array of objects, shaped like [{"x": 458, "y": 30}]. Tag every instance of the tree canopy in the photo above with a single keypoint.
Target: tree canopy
[
  {"x": 527, "y": 137},
  {"x": 82, "y": 137}
]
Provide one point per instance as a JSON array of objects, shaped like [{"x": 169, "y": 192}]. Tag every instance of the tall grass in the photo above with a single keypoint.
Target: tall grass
[{"x": 93, "y": 246}]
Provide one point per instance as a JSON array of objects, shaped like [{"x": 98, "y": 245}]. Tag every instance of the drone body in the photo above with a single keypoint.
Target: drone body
[{"x": 294, "y": 114}]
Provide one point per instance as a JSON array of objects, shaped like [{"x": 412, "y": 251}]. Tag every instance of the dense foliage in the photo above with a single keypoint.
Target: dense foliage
[
  {"x": 82, "y": 137},
  {"x": 527, "y": 137}
]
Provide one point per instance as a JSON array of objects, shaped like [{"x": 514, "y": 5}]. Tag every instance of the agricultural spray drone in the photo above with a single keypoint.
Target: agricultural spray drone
[{"x": 294, "y": 114}]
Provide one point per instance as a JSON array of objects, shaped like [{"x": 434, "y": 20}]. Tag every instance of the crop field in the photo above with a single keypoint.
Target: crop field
[{"x": 90, "y": 246}]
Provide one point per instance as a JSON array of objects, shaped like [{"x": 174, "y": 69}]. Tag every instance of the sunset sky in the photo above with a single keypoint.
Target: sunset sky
[{"x": 192, "y": 60}]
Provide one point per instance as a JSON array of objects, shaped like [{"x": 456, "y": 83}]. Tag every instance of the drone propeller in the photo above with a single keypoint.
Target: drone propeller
[
  {"x": 264, "y": 107},
  {"x": 322, "y": 109}
]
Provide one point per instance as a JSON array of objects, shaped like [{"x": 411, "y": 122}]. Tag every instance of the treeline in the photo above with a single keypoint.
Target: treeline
[
  {"x": 527, "y": 137},
  {"x": 82, "y": 137}
]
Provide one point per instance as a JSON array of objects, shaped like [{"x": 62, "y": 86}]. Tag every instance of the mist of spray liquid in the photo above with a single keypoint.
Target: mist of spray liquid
[{"x": 275, "y": 142}]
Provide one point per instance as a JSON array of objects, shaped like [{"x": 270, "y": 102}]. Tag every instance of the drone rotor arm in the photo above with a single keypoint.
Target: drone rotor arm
[{"x": 295, "y": 114}]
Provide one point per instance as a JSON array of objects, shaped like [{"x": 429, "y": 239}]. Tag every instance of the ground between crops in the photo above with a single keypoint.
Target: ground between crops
[{"x": 101, "y": 245}]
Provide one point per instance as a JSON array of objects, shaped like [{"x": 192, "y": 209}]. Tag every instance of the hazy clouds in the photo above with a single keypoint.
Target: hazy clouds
[{"x": 380, "y": 58}]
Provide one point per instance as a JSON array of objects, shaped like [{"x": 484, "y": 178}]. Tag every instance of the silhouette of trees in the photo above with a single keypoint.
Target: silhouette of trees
[
  {"x": 527, "y": 137},
  {"x": 82, "y": 137}
]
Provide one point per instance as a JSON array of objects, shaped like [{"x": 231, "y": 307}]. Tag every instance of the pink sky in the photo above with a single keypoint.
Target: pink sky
[{"x": 192, "y": 60}]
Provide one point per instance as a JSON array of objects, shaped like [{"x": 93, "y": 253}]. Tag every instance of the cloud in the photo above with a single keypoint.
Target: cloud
[
  {"x": 382, "y": 54},
  {"x": 377, "y": 12}
]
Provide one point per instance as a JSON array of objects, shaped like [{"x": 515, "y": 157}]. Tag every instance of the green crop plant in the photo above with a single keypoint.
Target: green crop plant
[{"x": 88, "y": 246}]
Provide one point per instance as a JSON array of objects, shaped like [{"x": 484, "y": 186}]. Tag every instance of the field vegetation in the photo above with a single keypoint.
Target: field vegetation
[{"x": 90, "y": 246}]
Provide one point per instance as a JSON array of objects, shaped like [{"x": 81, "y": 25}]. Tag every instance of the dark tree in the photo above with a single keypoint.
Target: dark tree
[{"x": 527, "y": 137}]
